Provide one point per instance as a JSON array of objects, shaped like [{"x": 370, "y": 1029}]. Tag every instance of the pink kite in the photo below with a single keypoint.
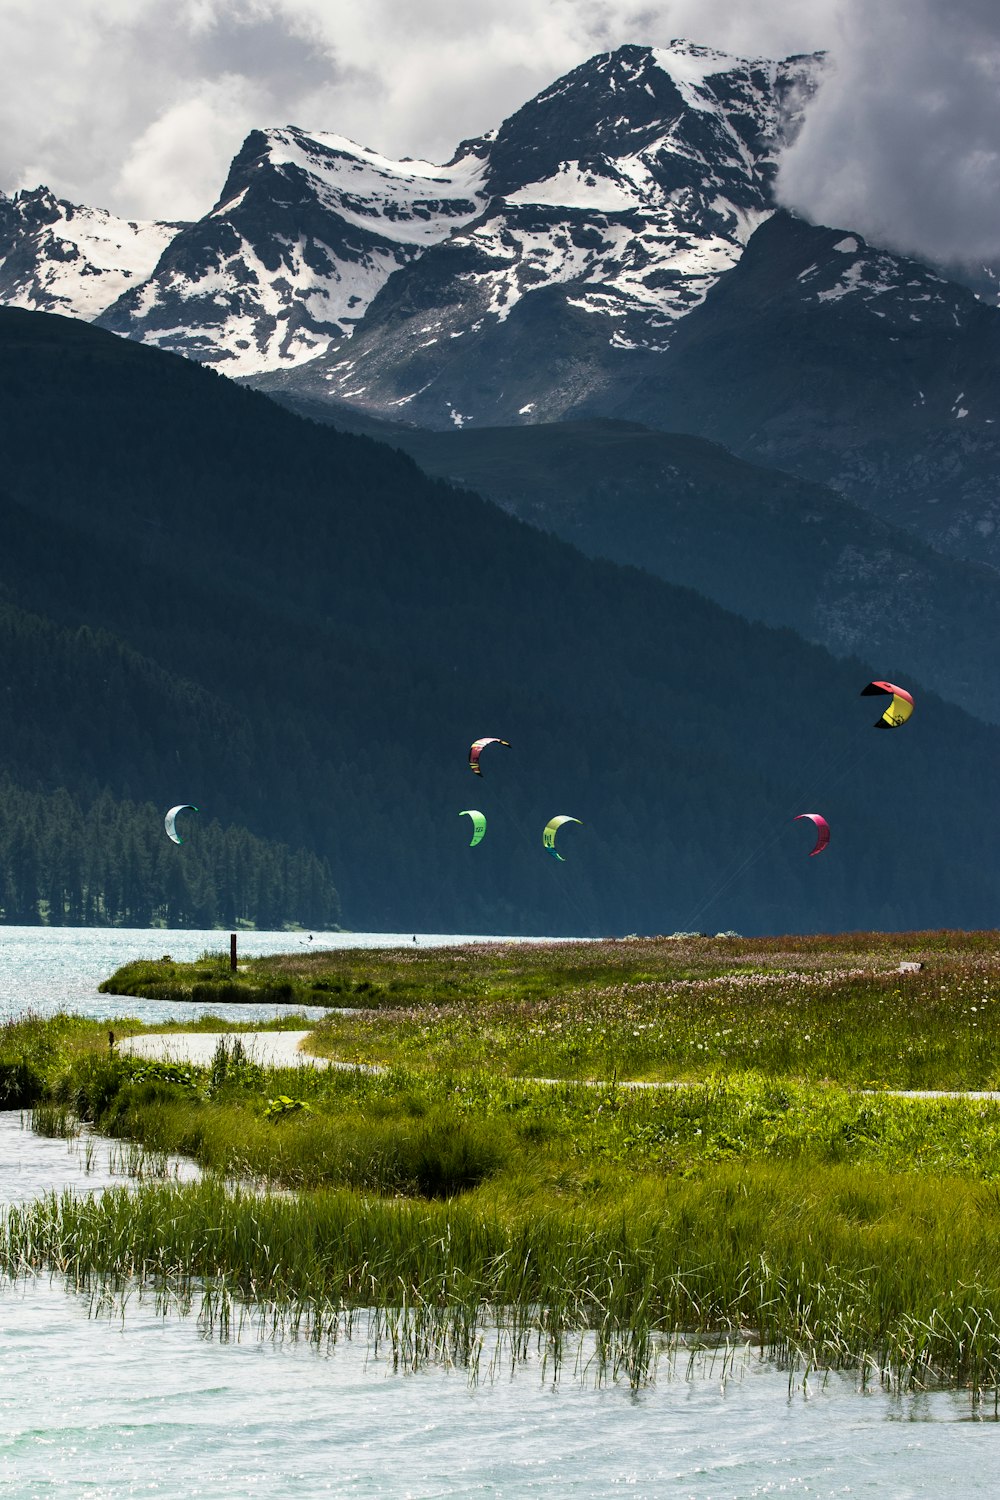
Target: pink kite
[{"x": 822, "y": 831}]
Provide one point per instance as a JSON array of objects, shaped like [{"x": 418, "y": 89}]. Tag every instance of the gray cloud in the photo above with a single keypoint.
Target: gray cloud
[
  {"x": 903, "y": 140},
  {"x": 138, "y": 105}
]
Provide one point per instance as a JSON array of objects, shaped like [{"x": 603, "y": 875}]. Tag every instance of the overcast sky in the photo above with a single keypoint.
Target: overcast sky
[{"x": 139, "y": 105}]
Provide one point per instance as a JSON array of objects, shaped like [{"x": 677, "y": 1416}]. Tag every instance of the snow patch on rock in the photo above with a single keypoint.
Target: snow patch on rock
[{"x": 57, "y": 256}]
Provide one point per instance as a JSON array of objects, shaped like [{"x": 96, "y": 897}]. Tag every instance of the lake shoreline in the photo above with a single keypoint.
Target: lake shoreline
[{"x": 765, "y": 1191}]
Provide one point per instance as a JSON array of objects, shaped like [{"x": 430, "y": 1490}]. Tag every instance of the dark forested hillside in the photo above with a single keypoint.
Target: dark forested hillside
[
  {"x": 209, "y": 599},
  {"x": 890, "y": 396},
  {"x": 758, "y": 541},
  {"x": 108, "y": 863}
]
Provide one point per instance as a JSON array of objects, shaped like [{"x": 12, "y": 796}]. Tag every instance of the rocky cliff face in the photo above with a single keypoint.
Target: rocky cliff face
[
  {"x": 307, "y": 230},
  {"x": 58, "y": 257}
]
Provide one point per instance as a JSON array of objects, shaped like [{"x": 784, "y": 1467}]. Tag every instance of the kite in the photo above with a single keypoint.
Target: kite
[
  {"x": 477, "y": 749},
  {"x": 478, "y": 824},
  {"x": 899, "y": 709},
  {"x": 551, "y": 829},
  {"x": 170, "y": 821},
  {"x": 822, "y": 831}
]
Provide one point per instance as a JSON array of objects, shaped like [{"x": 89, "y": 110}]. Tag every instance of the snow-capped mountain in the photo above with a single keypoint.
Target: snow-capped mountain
[
  {"x": 630, "y": 186},
  {"x": 612, "y": 249},
  {"x": 307, "y": 230},
  {"x": 637, "y": 180},
  {"x": 58, "y": 257},
  {"x": 615, "y": 199}
]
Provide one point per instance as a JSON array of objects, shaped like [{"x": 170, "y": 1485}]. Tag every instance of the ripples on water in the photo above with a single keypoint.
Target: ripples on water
[
  {"x": 100, "y": 1406},
  {"x": 105, "y": 1407},
  {"x": 33, "y": 1165}
]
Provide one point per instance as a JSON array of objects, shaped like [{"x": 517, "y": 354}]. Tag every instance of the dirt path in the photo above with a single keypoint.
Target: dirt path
[
  {"x": 271, "y": 1049},
  {"x": 281, "y": 1049}
]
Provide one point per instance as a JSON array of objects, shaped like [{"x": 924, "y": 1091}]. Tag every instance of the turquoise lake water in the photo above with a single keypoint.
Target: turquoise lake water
[{"x": 97, "y": 1405}]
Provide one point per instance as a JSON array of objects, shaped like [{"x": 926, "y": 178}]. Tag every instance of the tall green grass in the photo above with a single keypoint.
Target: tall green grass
[
  {"x": 862, "y": 1024},
  {"x": 35, "y": 1051},
  {"x": 822, "y": 1270},
  {"x": 414, "y": 1132}
]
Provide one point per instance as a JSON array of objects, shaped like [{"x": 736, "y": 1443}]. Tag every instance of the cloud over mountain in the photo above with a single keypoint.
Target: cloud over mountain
[{"x": 903, "y": 138}]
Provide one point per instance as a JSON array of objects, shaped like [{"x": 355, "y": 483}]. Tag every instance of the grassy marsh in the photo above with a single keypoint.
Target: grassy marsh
[
  {"x": 831, "y": 1275},
  {"x": 766, "y": 1196},
  {"x": 409, "y": 1132},
  {"x": 813, "y": 1008}
]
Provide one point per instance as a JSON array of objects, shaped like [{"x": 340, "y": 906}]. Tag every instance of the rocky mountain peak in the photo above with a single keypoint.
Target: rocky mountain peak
[
  {"x": 57, "y": 256},
  {"x": 623, "y": 103},
  {"x": 614, "y": 104},
  {"x": 35, "y": 206},
  {"x": 307, "y": 229},
  {"x": 248, "y": 160}
]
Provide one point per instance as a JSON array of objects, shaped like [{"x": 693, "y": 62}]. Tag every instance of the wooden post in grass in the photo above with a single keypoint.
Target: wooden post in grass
[{"x": 232, "y": 951}]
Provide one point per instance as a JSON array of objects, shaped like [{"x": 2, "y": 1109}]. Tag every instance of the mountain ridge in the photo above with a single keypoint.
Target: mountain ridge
[
  {"x": 757, "y": 540},
  {"x": 309, "y": 225}
]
